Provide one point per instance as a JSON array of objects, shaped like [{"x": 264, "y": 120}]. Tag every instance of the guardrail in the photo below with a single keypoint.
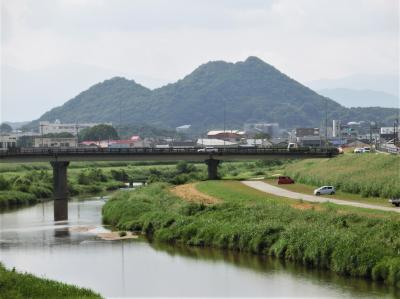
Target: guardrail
[{"x": 331, "y": 151}]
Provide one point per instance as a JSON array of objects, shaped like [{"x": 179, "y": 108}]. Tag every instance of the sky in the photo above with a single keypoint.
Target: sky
[{"x": 53, "y": 49}]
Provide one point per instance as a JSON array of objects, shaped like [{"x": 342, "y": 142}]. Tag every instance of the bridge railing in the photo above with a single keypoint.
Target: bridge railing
[{"x": 173, "y": 150}]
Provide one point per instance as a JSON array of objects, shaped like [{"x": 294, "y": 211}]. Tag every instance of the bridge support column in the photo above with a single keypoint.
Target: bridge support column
[
  {"x": 60, "y": 190},
  {"x": 212, "y": 168}
]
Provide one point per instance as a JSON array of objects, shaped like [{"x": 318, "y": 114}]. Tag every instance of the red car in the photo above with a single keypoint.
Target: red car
[{"x": 285, "y": 180}]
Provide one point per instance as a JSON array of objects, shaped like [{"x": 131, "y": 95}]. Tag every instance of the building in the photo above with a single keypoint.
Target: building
[
  {"x": 256, "y": 143},
  {"x": 183, "y": 144},
  {"x": 213, "y": 142},
  {"x": 45, "y": 127},
  {"x": 272, "y": 129},
  {"x": 313, "y": 141},
  {"x": 7, "y": 141},
  {"x": 50, "y": 142},
  {"x": 301, "y": 132},
  {"x": 134, "y": 141},
  {"x": 336, "y": 128},
  {"x": 227, "y": 135},
  {"x": 387, "y": 133}
]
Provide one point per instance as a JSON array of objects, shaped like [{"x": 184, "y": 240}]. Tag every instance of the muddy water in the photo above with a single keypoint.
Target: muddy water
[{"x": 72, "y": 252}]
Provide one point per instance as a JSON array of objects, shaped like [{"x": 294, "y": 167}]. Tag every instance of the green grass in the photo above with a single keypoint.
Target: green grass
[
  {"x": 370, "y": 175},
  {"x": 345, "y": 241},
  {"x": 15, "y": 285}
]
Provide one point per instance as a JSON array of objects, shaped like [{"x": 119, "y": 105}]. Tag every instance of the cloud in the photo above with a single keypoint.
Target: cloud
[{"x": 165, "y": 40}]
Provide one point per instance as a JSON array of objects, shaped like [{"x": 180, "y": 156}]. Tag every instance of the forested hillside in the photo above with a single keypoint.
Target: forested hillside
[{"x": 249, "y": 91}]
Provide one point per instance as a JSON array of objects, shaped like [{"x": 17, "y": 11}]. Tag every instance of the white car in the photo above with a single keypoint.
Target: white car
[
  {"x": 325, "y": 190},
  {"x": 366, "y": 149},
  {"x": 358, "y": 150},
  {"x": 208, "y": 149}
]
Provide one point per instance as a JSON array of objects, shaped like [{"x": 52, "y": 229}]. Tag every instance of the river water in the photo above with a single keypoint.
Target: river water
[{"x": 31, "y": 241}]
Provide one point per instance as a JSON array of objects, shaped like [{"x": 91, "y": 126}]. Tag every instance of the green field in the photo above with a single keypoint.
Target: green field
[
  {"x": 370, "y": 175},
  {"x": 348, "y": 241},
  {"x": 15, "y": 285}
]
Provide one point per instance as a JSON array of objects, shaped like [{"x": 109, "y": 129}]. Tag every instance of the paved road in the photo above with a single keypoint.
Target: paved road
[{"x": 264, "y": 187}]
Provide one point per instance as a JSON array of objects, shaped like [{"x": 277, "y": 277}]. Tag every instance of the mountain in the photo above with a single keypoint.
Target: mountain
[
  {"x": 250, "y": 91},
  {"x": 50, "y": 87},
  {"x": 361, "y": 98}
]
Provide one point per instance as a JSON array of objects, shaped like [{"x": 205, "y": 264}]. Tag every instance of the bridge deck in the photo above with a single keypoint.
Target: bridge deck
[{"x": 157, "y": 154}]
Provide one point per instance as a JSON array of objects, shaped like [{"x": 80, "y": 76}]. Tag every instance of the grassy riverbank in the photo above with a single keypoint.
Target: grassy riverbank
[
  {"x": 323, "y": 235},
  {"x": 370, "y": 175},
  {"x": 22, "y": 285}
]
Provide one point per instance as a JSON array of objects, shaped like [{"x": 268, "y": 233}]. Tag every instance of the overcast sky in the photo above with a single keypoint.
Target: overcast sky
[{"x": 53, "y": 49}]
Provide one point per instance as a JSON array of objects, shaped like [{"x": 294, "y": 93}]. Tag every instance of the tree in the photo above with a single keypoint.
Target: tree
[
  {"x": 99, "y": 132},
  {"x": 5, "y": 128}
]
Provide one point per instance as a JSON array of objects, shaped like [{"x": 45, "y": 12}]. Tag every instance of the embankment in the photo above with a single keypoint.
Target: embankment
[
  {"x": 368, "y": 174},
  {"x": 325, "y": 237}
]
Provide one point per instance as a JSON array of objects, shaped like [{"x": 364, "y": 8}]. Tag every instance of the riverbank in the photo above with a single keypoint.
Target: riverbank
[
  {"x": 23, "y": 285},
  {"x": 27, "y": 184},
  {"x": 321, "y": 235}
]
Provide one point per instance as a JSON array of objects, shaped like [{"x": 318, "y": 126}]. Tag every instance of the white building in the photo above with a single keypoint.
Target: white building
[
  {"x": 46, "y": 127},
  {"x": 213, "y": 142},
  {"x": 7, "y": 141}
]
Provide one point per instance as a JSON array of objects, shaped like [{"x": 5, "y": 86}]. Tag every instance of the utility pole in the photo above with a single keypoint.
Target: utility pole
[
  {"x": 370, "y": 133},
  {"x": 120, "y": 118},
  {"x": 76, "y": 133},
  {"x": 41, "y": 132},
  {"x": 326, "y": 122},
  {"x": 224, "y": 120}
]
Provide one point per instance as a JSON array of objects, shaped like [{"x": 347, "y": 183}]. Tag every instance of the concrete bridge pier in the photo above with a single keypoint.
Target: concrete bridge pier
[
  {"x": 60, "y": 190},
  {"x": 212, "y": 168}
]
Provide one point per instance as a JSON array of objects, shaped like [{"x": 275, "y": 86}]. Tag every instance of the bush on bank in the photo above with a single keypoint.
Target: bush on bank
[
  {"x": 23, "y": 285},
  {"x": 347, "y": 244},
  {"x": 15, "y": 198}
]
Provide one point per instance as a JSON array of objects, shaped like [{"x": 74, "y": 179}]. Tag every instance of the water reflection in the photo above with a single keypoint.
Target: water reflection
[{"x": 70, "y": 251}]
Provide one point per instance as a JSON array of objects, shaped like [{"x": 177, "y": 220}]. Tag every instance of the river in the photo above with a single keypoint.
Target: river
[{"x": 31, "y": 241}]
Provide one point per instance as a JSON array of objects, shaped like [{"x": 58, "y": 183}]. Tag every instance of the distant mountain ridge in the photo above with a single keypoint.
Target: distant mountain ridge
[
  {"x": 248, "y": 91},
  {"x": 361, "y": 97}
]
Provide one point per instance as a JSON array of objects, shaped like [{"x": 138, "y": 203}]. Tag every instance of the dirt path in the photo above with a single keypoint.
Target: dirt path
[
  {"x": 267, "y": 188},
  {"x": 189, "y": 193}
]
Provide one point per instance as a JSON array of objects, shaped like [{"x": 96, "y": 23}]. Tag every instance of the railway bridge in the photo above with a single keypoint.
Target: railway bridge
[{"x": 60, "y": 158}]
